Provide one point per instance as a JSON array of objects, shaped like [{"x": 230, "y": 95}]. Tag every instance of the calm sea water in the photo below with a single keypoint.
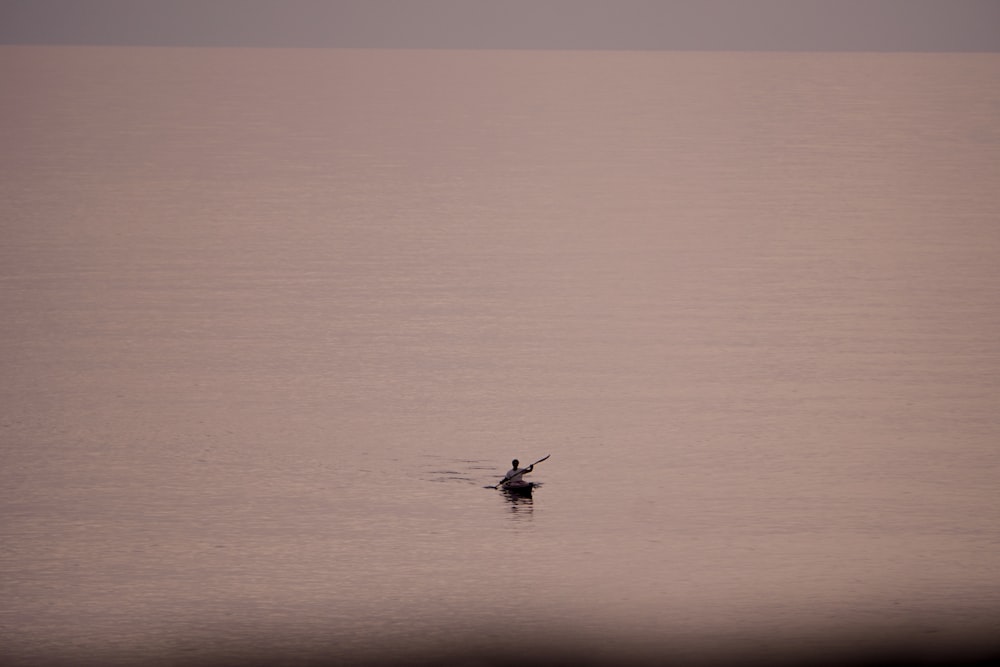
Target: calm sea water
[{"x": 273, "y": 319}]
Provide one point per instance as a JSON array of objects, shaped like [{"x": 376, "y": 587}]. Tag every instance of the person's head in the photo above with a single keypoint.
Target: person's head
[{"x": 514, "y": 463}]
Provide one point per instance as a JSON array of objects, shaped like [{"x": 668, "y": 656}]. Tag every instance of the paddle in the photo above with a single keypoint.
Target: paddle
[{"x": 531, "y": 466}]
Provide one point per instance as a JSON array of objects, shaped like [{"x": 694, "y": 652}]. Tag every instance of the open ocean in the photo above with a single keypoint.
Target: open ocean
[{"x": 273, "y": 319}]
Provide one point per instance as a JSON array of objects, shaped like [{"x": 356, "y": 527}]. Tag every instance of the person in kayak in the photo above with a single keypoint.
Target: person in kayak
[{"x": 515, "y": 474}]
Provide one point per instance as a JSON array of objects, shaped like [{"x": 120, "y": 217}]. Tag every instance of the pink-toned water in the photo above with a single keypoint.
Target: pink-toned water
[{"x": 273, "y": 319}]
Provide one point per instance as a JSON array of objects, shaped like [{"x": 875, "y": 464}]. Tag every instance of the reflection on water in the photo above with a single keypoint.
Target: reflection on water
[{"x": 521, "y": 504}]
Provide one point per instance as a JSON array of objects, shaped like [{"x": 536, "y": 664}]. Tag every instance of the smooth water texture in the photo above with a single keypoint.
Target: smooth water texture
[{"x": 273, "y": 320}]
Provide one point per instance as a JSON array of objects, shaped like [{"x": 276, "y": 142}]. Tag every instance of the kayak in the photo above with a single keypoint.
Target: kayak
[{"x": 519, "y": 486}]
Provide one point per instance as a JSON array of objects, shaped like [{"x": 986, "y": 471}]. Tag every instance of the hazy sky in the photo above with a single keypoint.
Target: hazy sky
[{"x": 867, "y": 25}]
